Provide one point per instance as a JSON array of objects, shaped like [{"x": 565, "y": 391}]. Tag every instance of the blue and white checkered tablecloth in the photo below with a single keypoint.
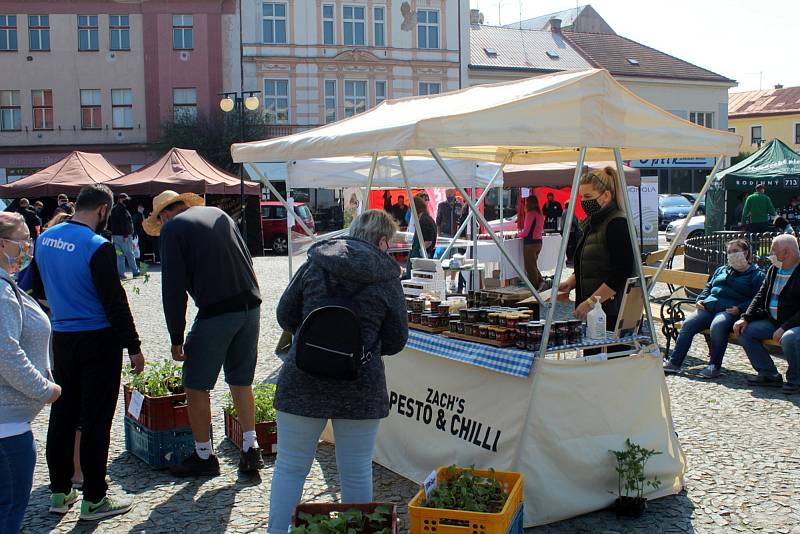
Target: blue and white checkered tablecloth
[{"x": 509, "y": 361}]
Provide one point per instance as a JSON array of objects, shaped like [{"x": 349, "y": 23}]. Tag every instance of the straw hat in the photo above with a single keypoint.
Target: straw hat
[{"x": 152, "y": 225}]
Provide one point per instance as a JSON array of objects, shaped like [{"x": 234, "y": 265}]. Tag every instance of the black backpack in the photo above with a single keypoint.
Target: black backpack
[{"x": 328, "y": 342}]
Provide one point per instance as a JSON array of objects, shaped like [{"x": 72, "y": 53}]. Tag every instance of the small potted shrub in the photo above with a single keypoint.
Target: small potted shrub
[
  {"x": 164, "y": 406},
  {"x": 630, "y": 474},
  {"x": 266, "y": 427},
  {"x": 334, "y": 518}
]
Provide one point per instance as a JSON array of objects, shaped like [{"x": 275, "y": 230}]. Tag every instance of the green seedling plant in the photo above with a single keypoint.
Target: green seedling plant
[
  {"x": 463, "y": 489},
  {"x": 630, "y": 470},
  {"x": 351, "y": 521},
  {"x": 264, "y": 395},
  {"x": 159, "y": 379}
]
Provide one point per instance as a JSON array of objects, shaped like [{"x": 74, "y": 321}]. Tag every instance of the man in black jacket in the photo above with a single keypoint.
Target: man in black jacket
[
  {"x": 775, "y": 313},
  {"x": 552, "y": 212},
  {"x": 120, "y": 224},
  {"x": 32, "y": 220},
  {"x": 203, "y": 254}
]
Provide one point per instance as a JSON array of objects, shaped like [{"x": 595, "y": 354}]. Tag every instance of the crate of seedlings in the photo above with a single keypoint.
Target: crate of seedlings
[
  {"x": 467, "y": 500},
  {"x": 164, "y": 400},
  {"x": 368, "y": 518},
  {"x": 266, "y": 427}
]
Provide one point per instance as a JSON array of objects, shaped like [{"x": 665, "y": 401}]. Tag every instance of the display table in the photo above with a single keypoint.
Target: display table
[{"x": 555, "y": 421}]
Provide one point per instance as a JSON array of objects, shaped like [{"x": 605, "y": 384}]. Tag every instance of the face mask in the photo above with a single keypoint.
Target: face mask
[
  {"x": 451, "y": 199},
  {"x": 775, "y": 261},
  {"x": 20, "y": 262},
  {"x": 591, "y": 206},
  {"x": 737, "y": 260}
]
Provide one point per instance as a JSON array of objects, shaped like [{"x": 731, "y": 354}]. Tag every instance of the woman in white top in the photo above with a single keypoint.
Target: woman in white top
[{"x": 25, "y": 383}]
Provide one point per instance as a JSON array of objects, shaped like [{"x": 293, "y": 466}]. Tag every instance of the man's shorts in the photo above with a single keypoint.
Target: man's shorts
[{"x": 228, "y": 341}]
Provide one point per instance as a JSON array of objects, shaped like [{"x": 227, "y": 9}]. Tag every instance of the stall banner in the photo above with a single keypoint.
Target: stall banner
[
  {"x": 450, "y": 413},
  {"x": 649, "y": 209}
]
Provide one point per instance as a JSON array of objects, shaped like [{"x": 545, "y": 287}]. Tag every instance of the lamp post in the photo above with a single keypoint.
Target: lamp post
[{"x": 238, "y": 102}]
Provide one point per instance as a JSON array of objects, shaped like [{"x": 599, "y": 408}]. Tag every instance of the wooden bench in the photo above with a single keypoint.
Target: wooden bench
[{"x": 673, "y": 310}]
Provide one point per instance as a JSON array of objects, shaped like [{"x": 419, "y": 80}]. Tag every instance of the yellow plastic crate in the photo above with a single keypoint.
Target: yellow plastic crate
[{"x": 439, "y": 521}]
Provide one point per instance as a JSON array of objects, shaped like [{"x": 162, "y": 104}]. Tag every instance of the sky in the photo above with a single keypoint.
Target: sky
[{"x": 754, "y": 43}]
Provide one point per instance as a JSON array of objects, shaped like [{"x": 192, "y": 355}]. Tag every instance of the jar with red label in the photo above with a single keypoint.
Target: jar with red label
[
  {"x": 416, "y": 317},
  {"x": 502, "y": 335}
]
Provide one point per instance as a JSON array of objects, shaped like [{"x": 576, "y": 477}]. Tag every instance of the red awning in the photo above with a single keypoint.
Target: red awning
[
  {"x": 558, "y": 174},
  {"x": 67, "y": 175}
]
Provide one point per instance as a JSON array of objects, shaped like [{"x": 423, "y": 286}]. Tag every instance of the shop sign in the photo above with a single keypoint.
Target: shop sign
[
  {"x": 782, "y": 181},
  {"x": 672, "y": 163}
]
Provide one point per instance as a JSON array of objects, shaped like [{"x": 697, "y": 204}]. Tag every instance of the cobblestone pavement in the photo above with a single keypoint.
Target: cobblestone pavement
[{"x": 742, "y": 447}]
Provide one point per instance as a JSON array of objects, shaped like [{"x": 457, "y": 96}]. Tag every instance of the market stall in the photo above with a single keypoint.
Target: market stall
[{"x": 553, "y": 419}]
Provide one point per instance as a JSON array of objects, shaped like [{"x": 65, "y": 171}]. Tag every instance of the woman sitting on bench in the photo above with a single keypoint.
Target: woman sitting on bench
[{"x": 726, "y": 295}]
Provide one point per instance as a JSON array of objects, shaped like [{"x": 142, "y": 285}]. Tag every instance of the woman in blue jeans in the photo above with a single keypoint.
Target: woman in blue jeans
[
  {"x": 726, "y": 295},
  {"x": 25, "y": 384},
  {"x": 359, "y": 269}
]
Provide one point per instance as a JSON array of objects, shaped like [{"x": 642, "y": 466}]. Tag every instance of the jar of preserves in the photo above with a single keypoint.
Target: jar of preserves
[
  {"x": 483, "y": 331},
  {"x": 453, "y": 326},
  {"x": 492, "y": 332}
]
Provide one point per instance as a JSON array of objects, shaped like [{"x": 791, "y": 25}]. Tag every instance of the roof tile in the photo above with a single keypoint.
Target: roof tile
[
  {"x": 785, "y": 100},
  {"x": 522, "y": 49}
]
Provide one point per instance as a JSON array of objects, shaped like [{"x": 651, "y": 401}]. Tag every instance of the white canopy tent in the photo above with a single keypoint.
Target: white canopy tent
[{"x": 578, "y": 115}]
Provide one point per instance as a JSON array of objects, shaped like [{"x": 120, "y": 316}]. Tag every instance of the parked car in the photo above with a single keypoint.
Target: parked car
[
  {"x": 273, "y": 224},
  {"x": 691, "y": 197},
  {"x": 671, "y": 207},
  {"x": 696, "y": 228}
]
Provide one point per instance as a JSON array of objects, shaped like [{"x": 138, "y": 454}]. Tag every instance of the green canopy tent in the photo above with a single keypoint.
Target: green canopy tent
[{"x": 775, "y": 165}]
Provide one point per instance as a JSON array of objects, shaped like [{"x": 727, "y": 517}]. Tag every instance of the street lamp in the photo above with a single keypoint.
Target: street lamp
[{"x": 238, "y": 102}]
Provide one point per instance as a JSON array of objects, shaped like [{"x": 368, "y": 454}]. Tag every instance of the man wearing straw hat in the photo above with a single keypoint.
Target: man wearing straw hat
[{"x": 203, "y": 254}]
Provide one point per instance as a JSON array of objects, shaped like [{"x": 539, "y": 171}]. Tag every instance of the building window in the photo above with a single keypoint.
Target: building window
[
  {"x": 120, "y": 32},
  {"x": 121, "y": 108},
  {"x": 379, "y": 20},
  {"x": 380, "y": 91},
  {"x": 327, "y": 24},
  {"x": 10, "y": 111},
  {"x": 91, "y": 100},
  {"x": 273, "y": 22},
  {"x": 797, "y": 133},
  {"x": 330, "y": 101},
  {"x": 39, "y": 32},
  {"x": 88, "y": 34},
  {"x": 755, "y": 135},
  {"x": 354, "y": 25},
  {"x": 8, "y": 33},
  {"x": 428, "y": 88},
  {"x": 182, "y": 32},
  {"x": 731, "y": 129},
  {"x": 184, "y": 103},
  {"x": 702, "y": 118},
  {"x": 276, "y": 101},
  {"x": 42, "y": 109},
  {"x": 427, "y": 28},
  {"x": 355, "y": 97}
]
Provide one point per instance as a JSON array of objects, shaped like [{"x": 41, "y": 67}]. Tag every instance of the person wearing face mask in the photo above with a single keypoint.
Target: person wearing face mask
[
  {"x": 604, "y": 258},
  {"x": 774, "y": 314},
  {"x": 64, "y": 205},
  {"x": 356, "y": 266},
  {"x": 448, "y": 214},
  {"x": 25, "y": 382},
  {"x": 75, "y": 272},
  {"x": 120, "y": 223},
  {"x": 726, "y": 295}
]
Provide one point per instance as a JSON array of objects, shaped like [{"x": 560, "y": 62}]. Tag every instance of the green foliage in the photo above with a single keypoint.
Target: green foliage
[
  {"x": 630, "y": 469},
  {"x": 467, "y": 491},
  {"x": 348, "y": 522},
  {"x": 144, "y": 269},
  {"x": 158, "y": 379},
  {"x": 264, "y": 395}
]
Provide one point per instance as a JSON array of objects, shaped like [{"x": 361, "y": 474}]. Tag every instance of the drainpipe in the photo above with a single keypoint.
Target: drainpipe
[{"x": 460, "y": 82}]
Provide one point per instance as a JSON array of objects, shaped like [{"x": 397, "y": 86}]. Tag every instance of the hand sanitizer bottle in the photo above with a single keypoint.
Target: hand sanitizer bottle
[{"x": 596, "y": 321}]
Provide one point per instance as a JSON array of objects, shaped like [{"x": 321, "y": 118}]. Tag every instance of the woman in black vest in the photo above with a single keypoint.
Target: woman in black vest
[{"x": 604, "y": 253}]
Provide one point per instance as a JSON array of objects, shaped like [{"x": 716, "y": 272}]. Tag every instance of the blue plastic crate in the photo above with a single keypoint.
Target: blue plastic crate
[
  {"x": 516, "y": 525},
  {"x": 158, "y": 448}
]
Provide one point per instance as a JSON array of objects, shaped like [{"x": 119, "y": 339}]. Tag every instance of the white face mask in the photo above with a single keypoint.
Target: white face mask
[
  {"x": 775, "y": 261},
  {"x": 737, "y": 260}
]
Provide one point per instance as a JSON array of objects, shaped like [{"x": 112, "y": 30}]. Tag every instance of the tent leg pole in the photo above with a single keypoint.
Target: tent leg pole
[
  {"x": 641, "y": 222},
  {"x": 562, "y": 251},
  {"x": 372, "y": 167},
  {"x": 637, "y": 252},
  {"x": 502, "y": 232},
  {"x": 414, "y": 213},
  {"x": 482, "y": 220},
  {"x": 476, "y": 286},
  {"x": 688, "y": 218},
  {"x": 289, "y": 225}
]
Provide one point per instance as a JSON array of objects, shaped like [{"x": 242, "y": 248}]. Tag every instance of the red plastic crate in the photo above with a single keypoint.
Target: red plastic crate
[
  {"x": 161, "y": 413},
  {"x": 266, "y": 433},
  {"x": 315, "y": 508}
]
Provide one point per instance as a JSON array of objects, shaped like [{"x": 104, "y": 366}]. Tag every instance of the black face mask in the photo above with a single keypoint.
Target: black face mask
[{"x": 591, "y": 206}]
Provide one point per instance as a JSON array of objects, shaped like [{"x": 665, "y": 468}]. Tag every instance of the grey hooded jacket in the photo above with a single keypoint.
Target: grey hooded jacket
[{"x": 351, "y": 263}]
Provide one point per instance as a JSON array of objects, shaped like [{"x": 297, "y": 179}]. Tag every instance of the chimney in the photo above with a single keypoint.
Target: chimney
[
  {"x": 778, "y": 86},
  {"x": 555, "y": 25},
  {"x": 475, "y": 16}
]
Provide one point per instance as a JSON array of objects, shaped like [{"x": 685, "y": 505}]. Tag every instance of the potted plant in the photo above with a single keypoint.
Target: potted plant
[
  {"x": 266, "y": 427},
  {"x": 630, "y": 475},
  {"x": 164, "y": 405},
  {"x": 489, "y": 500},
  {"x": 335, "y": 518}
]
